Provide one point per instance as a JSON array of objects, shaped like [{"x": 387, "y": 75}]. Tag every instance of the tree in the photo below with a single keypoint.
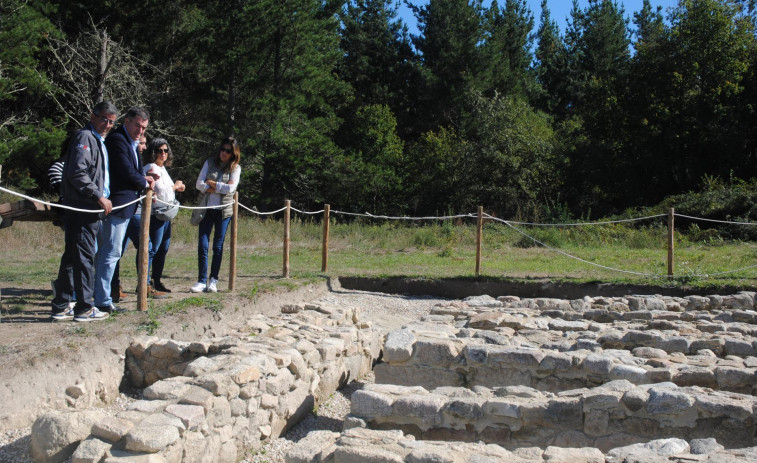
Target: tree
[
  {"x": 550, "y": 65},
  {"x": 378, "y": 61},
  {"x": 287, "y": 57},
  {"x": 30, "y": 133},
  {"x": 694, "y": 114},
  {"x": 370, "y": 175},
  {"x": 506, "y": 50},
  {"x": 448, "y": 44},
  {"x": 598, "y": 64}
]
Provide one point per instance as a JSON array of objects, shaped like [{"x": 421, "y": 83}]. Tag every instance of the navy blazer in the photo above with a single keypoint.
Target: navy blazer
[{"x": 126, "y": 178}]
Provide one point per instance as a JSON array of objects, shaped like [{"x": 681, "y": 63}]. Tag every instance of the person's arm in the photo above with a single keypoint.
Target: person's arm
[
  {"x": 201, "y": 185},
  {"x": 82, "y": 152},
  {"x": 231, "y": 186}
]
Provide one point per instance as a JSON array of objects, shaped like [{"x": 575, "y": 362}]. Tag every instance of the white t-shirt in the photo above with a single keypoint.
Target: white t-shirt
[{"x": 163, "y": 186}]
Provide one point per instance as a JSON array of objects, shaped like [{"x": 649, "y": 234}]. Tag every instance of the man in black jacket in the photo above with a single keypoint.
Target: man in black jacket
[
  {"x": 127, "y": 181},
  {"x": 85, "y": 187}
]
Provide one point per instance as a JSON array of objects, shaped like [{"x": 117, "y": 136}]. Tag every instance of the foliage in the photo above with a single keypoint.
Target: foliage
[{"x": 336, "y": 102}]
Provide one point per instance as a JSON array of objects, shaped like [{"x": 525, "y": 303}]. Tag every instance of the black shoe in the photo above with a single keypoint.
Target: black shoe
[
  {"x": 111, "y": 309},
  {"x": 159, "y": 287}
]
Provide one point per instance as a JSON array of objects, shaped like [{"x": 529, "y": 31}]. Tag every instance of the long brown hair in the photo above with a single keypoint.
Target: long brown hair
[{"x": 236, "y": 154}]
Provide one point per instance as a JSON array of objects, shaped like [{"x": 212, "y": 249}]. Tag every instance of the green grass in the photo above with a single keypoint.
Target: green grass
[{"x": 31, "y": 253}]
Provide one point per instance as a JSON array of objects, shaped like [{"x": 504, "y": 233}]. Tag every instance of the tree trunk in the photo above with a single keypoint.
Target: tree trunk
[{"x": 102, "y": 67}]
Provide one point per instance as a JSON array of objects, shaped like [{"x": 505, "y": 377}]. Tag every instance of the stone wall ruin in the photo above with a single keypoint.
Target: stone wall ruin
[{"x": 635, "y": 378}]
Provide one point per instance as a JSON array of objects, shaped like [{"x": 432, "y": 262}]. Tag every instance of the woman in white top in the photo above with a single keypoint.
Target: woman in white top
[
  {"x": 219, "y": 179},
  {"x": 157, "y": 157}
]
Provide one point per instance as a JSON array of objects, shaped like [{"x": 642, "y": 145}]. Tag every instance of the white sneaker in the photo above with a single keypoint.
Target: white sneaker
[
  {"x": 197, "y": 287},
  {"x": 212, "y": 286}
]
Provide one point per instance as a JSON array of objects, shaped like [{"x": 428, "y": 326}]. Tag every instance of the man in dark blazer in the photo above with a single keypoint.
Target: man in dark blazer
[
  {"x": 85, "y": 187},
  {"x": 127, "y": 182}
]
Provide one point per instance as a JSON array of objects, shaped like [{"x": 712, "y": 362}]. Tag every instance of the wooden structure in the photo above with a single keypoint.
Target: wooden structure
[{"x": 26, "y": 211}]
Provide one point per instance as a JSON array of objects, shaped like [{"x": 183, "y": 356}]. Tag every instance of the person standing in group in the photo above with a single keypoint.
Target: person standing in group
[
  {"x": 126, "y": 183},
  {"x": 157, "y": 157},
  {"x": 132, "y": 230},
  {"x": 219, "y": 179},
  {"x": 85, "y": 185}
]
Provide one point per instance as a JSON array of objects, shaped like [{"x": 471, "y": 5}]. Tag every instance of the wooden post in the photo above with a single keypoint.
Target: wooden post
[
  {"x": 287, "y": 211},
  {"x": 233, "y": 252},
  {"x": 142, "y": 253},
  {"x": 671, "y": 241},
  {"x": 325, "y": 250},
  {"x": 479, "y": 235}
]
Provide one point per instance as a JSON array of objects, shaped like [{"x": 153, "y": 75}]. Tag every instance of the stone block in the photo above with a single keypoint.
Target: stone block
[
  {"x": 192, "y": 416},
  {"x": 399, "y": 346},
  {"x": 426, "y": 408},
  {"x": 151, "y": 439},
  {"x": 56, "y": 434},
  {"x": 91, "y": 450},
  {"x": 369, "y": 404},
  {"x": 112, "y": 428},
  {"x": 573, "y": 455}
]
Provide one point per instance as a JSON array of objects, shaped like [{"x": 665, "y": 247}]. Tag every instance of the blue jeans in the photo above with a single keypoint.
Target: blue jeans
[
  {"x": 160, "y": 239},
  {"x": 110, "y": 241},
  {"x": 213, "y": 218}
]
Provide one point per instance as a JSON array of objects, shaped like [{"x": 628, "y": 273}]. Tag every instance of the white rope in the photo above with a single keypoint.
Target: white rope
[
  {"x": 577, "y": 224},
  {"x": 94, "y": 211},
  {"x": 569, "y": 255},
  {"x": 707, "y": 275},
  {"x": 261, "y": 213},
  {"x": 367, "y": 214},
  {"x": 305, "y": 212},
  {"x": 713, "y": 220},
  {"x": 219, "y": 206}
]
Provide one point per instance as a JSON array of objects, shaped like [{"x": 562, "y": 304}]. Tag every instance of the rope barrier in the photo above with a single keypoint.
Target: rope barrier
[
  {"x": 369, "y": 215},
  {"x": 714, "y": 220},
  {"x": 510, "y": 224},
  {"x": 569, "y": 255},
  {"x": 62, "y": 206},
  {"x": 576, "y": 224}
]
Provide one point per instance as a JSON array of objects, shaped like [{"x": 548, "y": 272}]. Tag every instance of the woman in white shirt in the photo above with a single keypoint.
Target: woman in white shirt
[
  {"x": 158, "y": 156},
  {"x": 219, "y": 179}
]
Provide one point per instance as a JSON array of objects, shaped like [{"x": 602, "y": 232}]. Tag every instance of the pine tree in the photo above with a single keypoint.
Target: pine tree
[
  {"x": 506, "y": 50},
  {"x": 448, "y": 45}
]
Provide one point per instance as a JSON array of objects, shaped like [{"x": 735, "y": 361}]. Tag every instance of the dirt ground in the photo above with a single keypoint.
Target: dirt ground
[{"x": 40, "y": 359}]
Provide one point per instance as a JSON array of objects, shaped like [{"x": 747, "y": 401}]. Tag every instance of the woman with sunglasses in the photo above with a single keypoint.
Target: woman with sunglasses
[
  {"x": 219, "y": 178},
  {"x": 157, "y": 157}
]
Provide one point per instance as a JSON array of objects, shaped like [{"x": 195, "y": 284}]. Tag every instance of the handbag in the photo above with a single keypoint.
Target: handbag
[
  {"x": 166, "y": 212},
  {"x": 199, "y": 214}
]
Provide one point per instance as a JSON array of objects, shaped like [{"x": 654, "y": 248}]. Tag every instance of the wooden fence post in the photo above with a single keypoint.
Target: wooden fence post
[
  {"x": 233, "y": 252},
  {"x": 479, "y": 235},
  {"x": 671, "y": 241},
  {"x": 325, "y": 250},
  {"x": 287, "y": 211},
  {"x": 144, "y": 242}
]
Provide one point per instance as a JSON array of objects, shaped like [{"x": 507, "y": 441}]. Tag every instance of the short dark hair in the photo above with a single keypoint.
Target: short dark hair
[
  {"x": 136, "y": 111},
  {"x": 150, "y": 154},
  {"x": 104, "y": 107}
]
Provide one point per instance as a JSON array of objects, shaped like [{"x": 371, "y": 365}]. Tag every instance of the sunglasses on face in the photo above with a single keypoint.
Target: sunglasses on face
[
  {"x": 227, "y": 150},
  {"x": 161, "y": 150}
]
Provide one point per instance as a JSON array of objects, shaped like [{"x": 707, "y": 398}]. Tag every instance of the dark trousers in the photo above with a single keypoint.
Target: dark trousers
[{"x": 77, "y": 265}]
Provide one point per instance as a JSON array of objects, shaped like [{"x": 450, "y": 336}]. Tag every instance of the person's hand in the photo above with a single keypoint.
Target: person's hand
[
  {"x": 153, "y": 175},
  {"x": 210, "y": 190},
  {"x": 230, "y": 182},
  {"x": 179, "y": 185},
  {"x": 150, "y": 181},
  {"x": 105, "y": 204},
  {"x": 211, "y": 183}
]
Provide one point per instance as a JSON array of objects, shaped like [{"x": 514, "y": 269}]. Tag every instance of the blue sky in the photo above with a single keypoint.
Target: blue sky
[{"x": 559, "y": 9}]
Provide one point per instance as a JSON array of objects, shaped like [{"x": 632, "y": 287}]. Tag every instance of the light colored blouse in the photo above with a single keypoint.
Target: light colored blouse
[
  {"x": 221, "y": 188},
  {"x": 163, "y": 186}
]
